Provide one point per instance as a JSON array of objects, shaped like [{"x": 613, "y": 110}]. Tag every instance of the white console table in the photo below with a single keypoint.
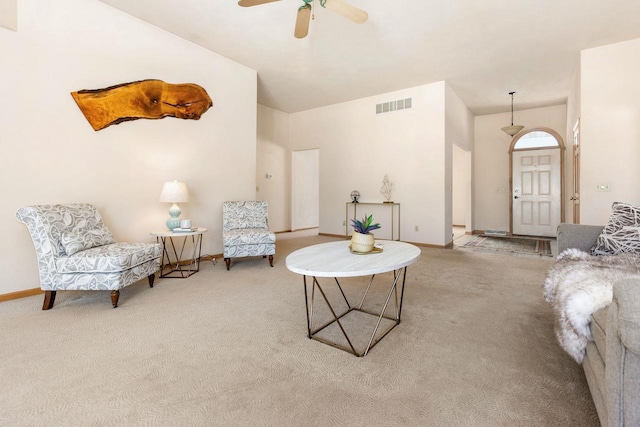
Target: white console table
[{"x": 395, "y": 216}]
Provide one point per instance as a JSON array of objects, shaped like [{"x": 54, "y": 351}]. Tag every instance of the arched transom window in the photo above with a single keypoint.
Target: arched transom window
[{"x": 536, "y": 139}]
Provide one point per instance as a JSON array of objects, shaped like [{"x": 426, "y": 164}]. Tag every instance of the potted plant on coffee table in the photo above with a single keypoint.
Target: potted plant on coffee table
[{"x": 362, "y": 240}]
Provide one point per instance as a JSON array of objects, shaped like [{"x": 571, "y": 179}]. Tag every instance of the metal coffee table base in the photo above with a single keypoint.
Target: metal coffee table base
[{"x": 393, "y": 291}]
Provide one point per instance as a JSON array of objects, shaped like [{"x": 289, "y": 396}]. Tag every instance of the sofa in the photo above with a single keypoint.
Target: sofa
[
  {"x": 76, "y": 251},
  {"x": 611, "y": 362}
]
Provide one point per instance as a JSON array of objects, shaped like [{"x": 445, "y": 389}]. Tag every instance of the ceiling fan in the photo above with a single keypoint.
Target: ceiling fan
[{"x": 301, "y": 30}]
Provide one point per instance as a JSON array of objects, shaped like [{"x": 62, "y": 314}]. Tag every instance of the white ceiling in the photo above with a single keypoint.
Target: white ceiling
[{"x": 483, "y": 48}]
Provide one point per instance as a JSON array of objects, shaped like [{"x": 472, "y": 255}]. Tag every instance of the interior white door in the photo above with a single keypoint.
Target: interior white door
[{"x": 536, "y": 194}]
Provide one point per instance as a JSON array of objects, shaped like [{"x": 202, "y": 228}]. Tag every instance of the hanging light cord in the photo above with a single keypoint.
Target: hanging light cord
[{"x": 511, "y": 93}]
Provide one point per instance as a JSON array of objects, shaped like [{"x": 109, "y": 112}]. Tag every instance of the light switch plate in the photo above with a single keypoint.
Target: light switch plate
[{"x": 603, "y": 187}]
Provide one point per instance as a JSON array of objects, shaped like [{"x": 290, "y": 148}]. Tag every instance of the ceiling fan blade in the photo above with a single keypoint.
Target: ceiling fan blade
[
  {"x": 356, "y": 15},
  {"x": 247, "y": 3},
  {"x": 302, "y": 22}
]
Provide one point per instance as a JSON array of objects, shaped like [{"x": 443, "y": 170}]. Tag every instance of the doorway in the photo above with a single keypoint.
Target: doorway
[
  {"x": 305, "y": 189},
  {"x": 461, "y": 205},
  {"x": 536, "y": 183}
]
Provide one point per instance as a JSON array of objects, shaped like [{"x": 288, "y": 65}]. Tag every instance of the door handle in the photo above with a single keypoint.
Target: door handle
[{"x": 516, "y": 197}]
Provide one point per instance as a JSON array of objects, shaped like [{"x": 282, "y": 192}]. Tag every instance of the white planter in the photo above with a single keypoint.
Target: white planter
[{"x": 362, "y": 242}]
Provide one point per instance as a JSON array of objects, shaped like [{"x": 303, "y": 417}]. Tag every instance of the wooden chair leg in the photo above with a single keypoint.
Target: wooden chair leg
[
  {"x": 228, "y": 262},
  {"x": 271, "y": 260},
  {"x": 49, "y": 299},
  {"x": 114, "y": 298},
  {"x": 151, "y": 278}
]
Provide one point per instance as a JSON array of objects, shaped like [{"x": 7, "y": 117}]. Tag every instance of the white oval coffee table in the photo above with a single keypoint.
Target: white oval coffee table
[{"x": 335, "y": 260}]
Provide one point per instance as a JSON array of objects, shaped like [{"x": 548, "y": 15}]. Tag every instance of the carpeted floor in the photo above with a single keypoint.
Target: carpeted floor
[{"x": 228, "y": 348}]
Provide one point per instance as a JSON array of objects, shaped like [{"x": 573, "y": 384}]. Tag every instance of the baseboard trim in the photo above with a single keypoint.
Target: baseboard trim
[
  {"x": 209, "y": 257},
  {"x": 424, "y": 245},
  {"x": 429, "y": 245},
  {"x": 297, "y": 229},
  {"x": 340, "y": 236},
  {"x": 20, "y": 294}
]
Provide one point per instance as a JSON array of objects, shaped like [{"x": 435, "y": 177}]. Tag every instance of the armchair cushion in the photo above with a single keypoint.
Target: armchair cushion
[
  {"x": 112, "y": 258},
  {"x": 248, "y": 236},
  {"x": 76, "y": 241}
]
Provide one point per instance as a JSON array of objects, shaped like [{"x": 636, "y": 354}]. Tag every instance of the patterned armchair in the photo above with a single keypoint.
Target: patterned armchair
[
  {"x": 76, "y": 251},
  {"x": 245, "y": 231}
]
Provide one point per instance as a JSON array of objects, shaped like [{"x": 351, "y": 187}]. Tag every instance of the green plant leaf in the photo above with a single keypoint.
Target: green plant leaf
[{"x": 364, "y": 226}]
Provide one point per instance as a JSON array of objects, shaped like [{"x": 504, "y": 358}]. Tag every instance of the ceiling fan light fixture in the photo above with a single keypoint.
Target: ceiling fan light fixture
[
  {"x": 513, "y": 129},
  {"x": 305, "y": 12},
  {"x": 302, "y": 21}
]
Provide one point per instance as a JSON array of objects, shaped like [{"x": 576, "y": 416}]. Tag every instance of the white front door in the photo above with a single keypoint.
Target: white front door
[{"x": 536, "y": 194}]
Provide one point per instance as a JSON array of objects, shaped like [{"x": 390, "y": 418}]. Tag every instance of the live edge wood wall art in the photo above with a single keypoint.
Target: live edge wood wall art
[{"x": 144, "y": 99}]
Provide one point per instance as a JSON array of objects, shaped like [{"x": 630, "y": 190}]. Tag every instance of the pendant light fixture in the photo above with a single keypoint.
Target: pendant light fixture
[{"x": 512, "y": 130}]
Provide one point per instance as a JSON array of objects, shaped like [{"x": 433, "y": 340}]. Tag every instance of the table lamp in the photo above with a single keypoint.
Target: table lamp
[{"x": 174, "y": 192}]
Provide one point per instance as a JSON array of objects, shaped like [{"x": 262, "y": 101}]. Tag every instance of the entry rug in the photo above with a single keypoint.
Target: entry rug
[{"x": 520, "y": 245}]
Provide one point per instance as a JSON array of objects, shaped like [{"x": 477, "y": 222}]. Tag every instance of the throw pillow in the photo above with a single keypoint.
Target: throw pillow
[
  {"x": 76, "y": 241},
  {"x": 621, "y": 234}
]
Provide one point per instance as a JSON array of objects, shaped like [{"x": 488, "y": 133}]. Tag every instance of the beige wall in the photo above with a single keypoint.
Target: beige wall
[
  {"x": 609, "y": 128},
  {"x": 52, "y": 155},
  {"x": 9, "y": 14},
  {"x": 490, "y": 190},
  {"x": 358, "y": 147},
  {"x": 491, "y": 161}
]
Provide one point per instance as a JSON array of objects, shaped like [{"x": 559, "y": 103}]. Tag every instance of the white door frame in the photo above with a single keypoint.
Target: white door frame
[
  {"x": 562, "y": 148},
  {"x": 576, "y": 173}
]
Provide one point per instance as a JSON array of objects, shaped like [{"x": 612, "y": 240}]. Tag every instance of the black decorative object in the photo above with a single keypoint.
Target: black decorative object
[{"x": 355, "y": 195}]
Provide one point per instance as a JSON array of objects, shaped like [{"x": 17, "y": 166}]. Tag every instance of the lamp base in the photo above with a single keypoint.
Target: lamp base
[{"x": 174, "y": 221}]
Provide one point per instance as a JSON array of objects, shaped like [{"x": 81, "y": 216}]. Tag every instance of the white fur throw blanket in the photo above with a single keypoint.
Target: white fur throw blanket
[{"x": 578, "y": 285}]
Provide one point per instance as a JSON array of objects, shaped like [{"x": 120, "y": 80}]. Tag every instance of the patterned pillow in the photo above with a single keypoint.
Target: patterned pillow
[
  {"x": 622, "y": 232},
  {"x": 76, "y": 241}
]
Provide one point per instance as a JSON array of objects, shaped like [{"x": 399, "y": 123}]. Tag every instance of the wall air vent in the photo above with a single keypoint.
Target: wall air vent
[{"x": 400, "y": 104}]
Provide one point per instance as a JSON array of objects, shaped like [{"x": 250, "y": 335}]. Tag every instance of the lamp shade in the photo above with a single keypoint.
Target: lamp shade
[
  {"x": 174, "y": 192},
  {"x": 512, "y": 130}
]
